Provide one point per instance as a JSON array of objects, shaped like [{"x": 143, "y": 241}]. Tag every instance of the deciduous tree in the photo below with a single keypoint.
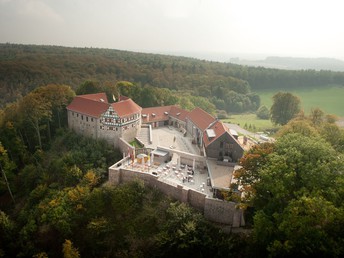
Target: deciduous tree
[{"x": 285, "y": 107}]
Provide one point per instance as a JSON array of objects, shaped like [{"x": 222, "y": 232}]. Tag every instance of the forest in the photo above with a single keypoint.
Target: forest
[
  {"x": 54, "y": 196},
  {"x": 224, "y": 86},
  {"x": 54, "y": 200}
]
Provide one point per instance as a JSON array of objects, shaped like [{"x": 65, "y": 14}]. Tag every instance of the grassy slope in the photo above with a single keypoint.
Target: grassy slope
[
  {"x": 328, "y": 99},
  {"x": 250, "y": 119}
]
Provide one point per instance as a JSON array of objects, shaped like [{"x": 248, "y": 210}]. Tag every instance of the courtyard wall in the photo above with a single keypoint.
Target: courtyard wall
[{"x": 213, "y": 209}]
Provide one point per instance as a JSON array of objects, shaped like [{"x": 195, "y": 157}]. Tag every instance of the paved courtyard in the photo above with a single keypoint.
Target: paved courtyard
[
  {"x": 172, "y": 172},
  {"x": 181, "y": 174},
  {"x": 171, "y": 137}
]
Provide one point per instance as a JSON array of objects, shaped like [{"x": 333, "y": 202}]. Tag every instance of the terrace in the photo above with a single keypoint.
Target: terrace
[{"x": 174, "y": 170}]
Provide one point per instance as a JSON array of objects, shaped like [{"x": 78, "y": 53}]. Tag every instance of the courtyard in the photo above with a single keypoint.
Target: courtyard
[{"x": 175, "y": 172}]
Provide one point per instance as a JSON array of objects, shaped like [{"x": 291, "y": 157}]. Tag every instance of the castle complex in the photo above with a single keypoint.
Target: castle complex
[
  {"x": 92, "y": 115},
  {"x": 197, "y": 178}
]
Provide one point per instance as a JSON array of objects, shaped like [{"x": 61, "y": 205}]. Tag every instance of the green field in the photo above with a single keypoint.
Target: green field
[
  {"x": 250, "y": 121},
  {"x": 329, "y": 99}
]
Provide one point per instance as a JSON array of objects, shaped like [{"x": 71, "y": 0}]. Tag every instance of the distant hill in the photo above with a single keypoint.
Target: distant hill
[
  {"x": 294, "y": 63},
  {"x": 228, "y": 86}
]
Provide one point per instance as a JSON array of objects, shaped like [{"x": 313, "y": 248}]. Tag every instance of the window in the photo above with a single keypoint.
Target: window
[
  {"x": 87, "y": 118},
  {"x": 77, "y": 115},
  {"x": 92, "y": 119},
  {"x": 82, "y": 117},
  {"x": 221, "y": 144}
]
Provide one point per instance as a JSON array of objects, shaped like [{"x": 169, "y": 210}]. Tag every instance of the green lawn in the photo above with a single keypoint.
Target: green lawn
[
  {"x": 329, "y": 99},
  {"x": 250, "y": 121}
]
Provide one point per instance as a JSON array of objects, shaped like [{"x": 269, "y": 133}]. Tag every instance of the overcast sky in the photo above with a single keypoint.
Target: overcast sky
[{"x": 307, "y": 28}]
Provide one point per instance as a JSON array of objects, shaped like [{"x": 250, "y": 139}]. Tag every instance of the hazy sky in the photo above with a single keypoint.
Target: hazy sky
[{"x": 309, "y": 28}]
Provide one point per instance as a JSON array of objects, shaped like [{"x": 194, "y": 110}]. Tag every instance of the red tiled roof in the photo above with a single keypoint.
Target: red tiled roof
[
  {"x": 219, "y": 129},
  {"x": 200, "y": 118},
  {"x": 89, "y": 104},
  {"x": 179, "y": 113},
  {"x": 96, "y": 104},
  {"x": 96, "y": 97},
  {"x": 154, "y": 114},
  {"x": 126, "y": 107},
  {"x": 122, "y": 97}
]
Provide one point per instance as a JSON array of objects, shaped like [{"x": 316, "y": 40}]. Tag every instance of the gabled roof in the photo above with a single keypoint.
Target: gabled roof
[
  {"x": 154, "y": 114},
  {"x": 89, "y": 104},
  {"x": 96, "y": 97},
  {"x": 126, "y": 107},
  {"x": 200, "y": 118},
  {"x": 97, "y": 104},
  {"x": 179, "y": 113},
  {"x": 219, "y": 129}
]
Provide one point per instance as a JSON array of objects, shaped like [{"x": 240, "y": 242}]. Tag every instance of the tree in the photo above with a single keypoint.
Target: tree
[
  {"x": 89, "y": 87},
  {"x": 330, "y": 118},
  {"x": 297, "y": 206},
  {"x": 129, "y": 90},
  {"x": 305, "y": 226},
  {"x": 302, "y": 126},
  {"x": 251, "y": 162},
  {"x": 285, "y": 107},
  {"x": 263, "y": 112},
  {"x": 6, "y": 167},
  {"x": 317, "y": 116},
  {"x": 34, "y": 109},
  {"x": 69, "y": 251},
  {"x": 59, "y": 97}
]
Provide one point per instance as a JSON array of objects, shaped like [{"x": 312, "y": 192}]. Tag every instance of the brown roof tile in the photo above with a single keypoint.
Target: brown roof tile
[
  {"x": 179, "y": 113},
  {"x": 219, "y": 129},
  {"x": 126, "y": 107},
  {"x": 96, "y": 97},
  {"x": 96, "y": 104},
  {"x": 154, "y": 114},
  {"x": 200, "y": 118},
  {"x": 89, "y": 105}
]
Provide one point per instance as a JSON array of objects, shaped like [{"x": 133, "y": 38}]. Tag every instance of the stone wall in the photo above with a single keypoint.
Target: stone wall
[
  {"x": 214, "y": 210},
  {"x": 83, "y": 124},
  {"x": 125, "y": 146},
  {"x": 217, "y": 148},
  {"x": 186, "y": 158},
  {"x": 131, "y": 130}
]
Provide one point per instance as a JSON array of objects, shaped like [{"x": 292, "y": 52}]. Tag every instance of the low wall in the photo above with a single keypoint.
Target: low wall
[
  {"x": 223, "y": 212},
  {"x": 186, "y": 158},
  {"x": 228, "y": 164},
  {"x": 125, "y": 146},
  {"x": 150, "y": 134},
  {"x": 215, "y": 210}
]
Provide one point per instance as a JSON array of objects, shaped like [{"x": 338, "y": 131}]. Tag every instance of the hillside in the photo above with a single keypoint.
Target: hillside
[
  {"x": 295, "y": 63},
  {"x": 228, "y": 86}
]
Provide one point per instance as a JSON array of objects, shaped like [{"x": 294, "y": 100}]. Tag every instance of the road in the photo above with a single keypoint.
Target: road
[{"x": 243, "y": 131}]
